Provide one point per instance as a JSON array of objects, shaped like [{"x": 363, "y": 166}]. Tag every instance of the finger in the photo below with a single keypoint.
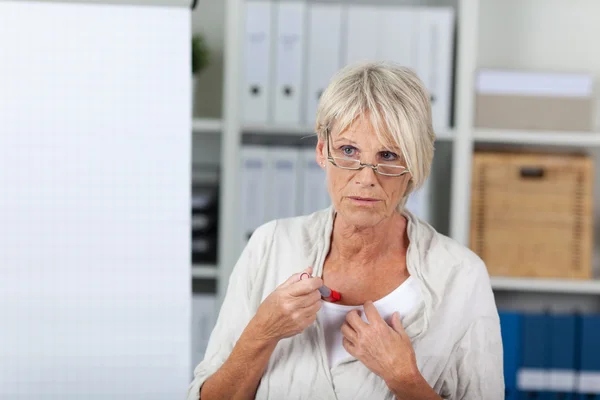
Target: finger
[
  {"x": 305, "y": 286},
  {"x": 309, "y": 314},
  {"x": 313, "y": 309},
  {"x": 310, "y": 319},
  {"x": 349, "y": 333},
  {"x": 355, "y": 321},
  {"x": 349, "y": 346},
  {"x": 397, "y": 324},
  {"x": 371, "y": 313},
  {"x": 308, "y": 300},
  {"x": 296, "y": 277}
]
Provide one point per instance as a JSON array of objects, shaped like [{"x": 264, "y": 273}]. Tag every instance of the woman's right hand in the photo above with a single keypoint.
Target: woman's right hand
[{"x": 290, "y": 309}]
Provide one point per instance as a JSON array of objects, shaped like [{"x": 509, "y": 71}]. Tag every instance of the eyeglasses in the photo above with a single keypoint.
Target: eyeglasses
[{"x": 355, "y": 165}]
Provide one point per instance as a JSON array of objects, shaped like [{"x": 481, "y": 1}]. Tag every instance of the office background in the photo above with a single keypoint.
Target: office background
[
  {"x": 186, "y": 168},
  {"x": 523, "y": 54}
]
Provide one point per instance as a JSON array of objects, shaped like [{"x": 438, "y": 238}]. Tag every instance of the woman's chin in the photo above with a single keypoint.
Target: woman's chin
[{"x": 361, "y": 217}]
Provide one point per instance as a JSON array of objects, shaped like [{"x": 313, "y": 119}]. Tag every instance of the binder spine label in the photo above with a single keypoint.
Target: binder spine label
[
  {"x": 589, "y": 382},
  {"x": 562, "y": 380},
  {"x": 532, "y": 379}
]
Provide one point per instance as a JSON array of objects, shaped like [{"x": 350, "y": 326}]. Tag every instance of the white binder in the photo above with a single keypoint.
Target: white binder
[
  {"x": 289, "y": 62},
  {"x": 399, "y": 35},
  {"x": 255, "y": 188},
  {"x": 435, "y": 60},
  {"x": 256, "y": 91},
  {"x": 313, "y": 185},
  {"x": 323, "y": 53},
  {"x": 362, "y": 34},
  {"x": 283, "y": 179}
]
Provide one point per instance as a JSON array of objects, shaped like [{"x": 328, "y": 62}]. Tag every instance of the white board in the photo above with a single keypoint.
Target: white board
[{"x": 95, "y": 201}]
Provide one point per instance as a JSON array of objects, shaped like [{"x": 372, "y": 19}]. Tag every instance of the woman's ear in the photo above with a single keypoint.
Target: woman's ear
[{"x": 320, "y": 151}]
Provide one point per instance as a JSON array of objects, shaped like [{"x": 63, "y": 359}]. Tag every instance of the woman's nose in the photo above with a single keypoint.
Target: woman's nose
[{"x": 366, "y": 176}]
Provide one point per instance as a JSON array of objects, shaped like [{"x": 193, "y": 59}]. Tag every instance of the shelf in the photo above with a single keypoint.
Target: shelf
[
  {"x": 298, "y": 130},
  {"x": 205, "y": 271},
  {"x": 207, "y": 125},
  {"x": 553, "y": 138},
  {"x": 445, "y": 135},
  {"x": 292, "y": 130},
  {"x": 565, "y": 286}
]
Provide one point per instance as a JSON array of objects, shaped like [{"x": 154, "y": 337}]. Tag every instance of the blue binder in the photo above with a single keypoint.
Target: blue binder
[
  {"x": 590, "y": 357},
  {"x": 510, "y": 327},
  {"x": 532, "y": 376},
  {"x": 564, "y": 356}
]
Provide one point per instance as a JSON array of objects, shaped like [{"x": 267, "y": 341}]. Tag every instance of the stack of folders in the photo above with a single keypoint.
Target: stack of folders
[
  {"x": 529, "y": 100},
  {"x": 292, "y": 49},
  {"x": 281, "y": 182},
  {"x": 205, "y": 214},
  {"x": 551, "y": 356}
]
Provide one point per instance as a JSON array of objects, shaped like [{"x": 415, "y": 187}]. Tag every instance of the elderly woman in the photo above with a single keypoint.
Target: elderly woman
[{"x": 416, "y": 318}]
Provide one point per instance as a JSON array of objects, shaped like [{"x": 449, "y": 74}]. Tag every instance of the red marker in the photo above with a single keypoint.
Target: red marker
[{"x": 328, "y": 294}]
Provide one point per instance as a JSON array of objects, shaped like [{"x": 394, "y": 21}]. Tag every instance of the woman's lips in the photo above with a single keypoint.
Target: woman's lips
[{"x": 363, "y": 200}]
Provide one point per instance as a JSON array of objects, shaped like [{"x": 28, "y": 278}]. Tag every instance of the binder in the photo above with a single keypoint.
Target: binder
[
  {"x": 255, "y": 186},
  {"x": 510, "y": 327},
  {"x": 398, "y": 38},
  {"x": 589, "y": 375},
  {"x": 283, "y": 181},
  {"x": 564, "y": 357},
  {"x": 435, "y": 60},
  {"x": 533, "y": 375},
  {"x": 313, "y": 186},
  {"x": 362, "y": 34},
  {"x": 289, "y": 64},
  {"x": 256, "y": 92},
  {"x": 421, "y": 38},
  {"x": 323, "y": 54}
]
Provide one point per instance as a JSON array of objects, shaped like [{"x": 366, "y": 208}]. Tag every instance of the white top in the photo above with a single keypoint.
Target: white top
[
  {"x": 332, "y": 316},
  {"x": 454, "y": 329}
]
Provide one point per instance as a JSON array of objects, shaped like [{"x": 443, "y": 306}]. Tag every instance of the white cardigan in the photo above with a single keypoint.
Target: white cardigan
[{"x": 455, "y": 329}]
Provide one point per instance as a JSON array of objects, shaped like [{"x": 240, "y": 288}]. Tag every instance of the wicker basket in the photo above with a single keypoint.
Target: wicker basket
[{"x": 532, "y": 214}]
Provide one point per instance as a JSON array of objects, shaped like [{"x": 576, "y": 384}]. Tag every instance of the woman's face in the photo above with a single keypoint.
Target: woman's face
[{"x": 362, "y": 198}]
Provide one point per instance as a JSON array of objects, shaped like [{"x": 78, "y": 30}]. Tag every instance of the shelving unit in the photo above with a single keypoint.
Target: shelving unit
[
  {"x": 578, "y": 139},
  {"x": 485, "y": 43},
  {"x": 205, "y": 271},
  {"x": 279, "y": 129},
  {"x": 207, "y": 125},
  {"x": 482, "y": 41},
  {"x": 546, "y": 285},
  {"x": 309, "y": 131}
]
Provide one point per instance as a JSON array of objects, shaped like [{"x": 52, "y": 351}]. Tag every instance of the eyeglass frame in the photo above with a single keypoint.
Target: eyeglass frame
[{"x": 361, "y": 165}]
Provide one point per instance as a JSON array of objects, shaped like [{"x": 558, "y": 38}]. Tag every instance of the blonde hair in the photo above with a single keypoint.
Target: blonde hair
[{"x": 398, "y": 107}]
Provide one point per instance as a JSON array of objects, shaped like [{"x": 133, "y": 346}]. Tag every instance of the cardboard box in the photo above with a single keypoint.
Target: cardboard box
[{"x": 534, "y": 101}]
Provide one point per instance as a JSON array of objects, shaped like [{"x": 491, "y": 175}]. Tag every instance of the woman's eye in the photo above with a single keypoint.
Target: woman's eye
[
  {"x": 348, "y": 150},
  {"x": 389, "y": 156}
]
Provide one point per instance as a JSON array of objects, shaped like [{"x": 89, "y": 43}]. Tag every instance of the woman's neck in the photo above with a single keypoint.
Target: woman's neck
[{"x": 353, "y": 245}]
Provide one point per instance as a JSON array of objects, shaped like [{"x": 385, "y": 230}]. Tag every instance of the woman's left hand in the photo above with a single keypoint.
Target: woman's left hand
[{"x": 384, "y": 349}]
